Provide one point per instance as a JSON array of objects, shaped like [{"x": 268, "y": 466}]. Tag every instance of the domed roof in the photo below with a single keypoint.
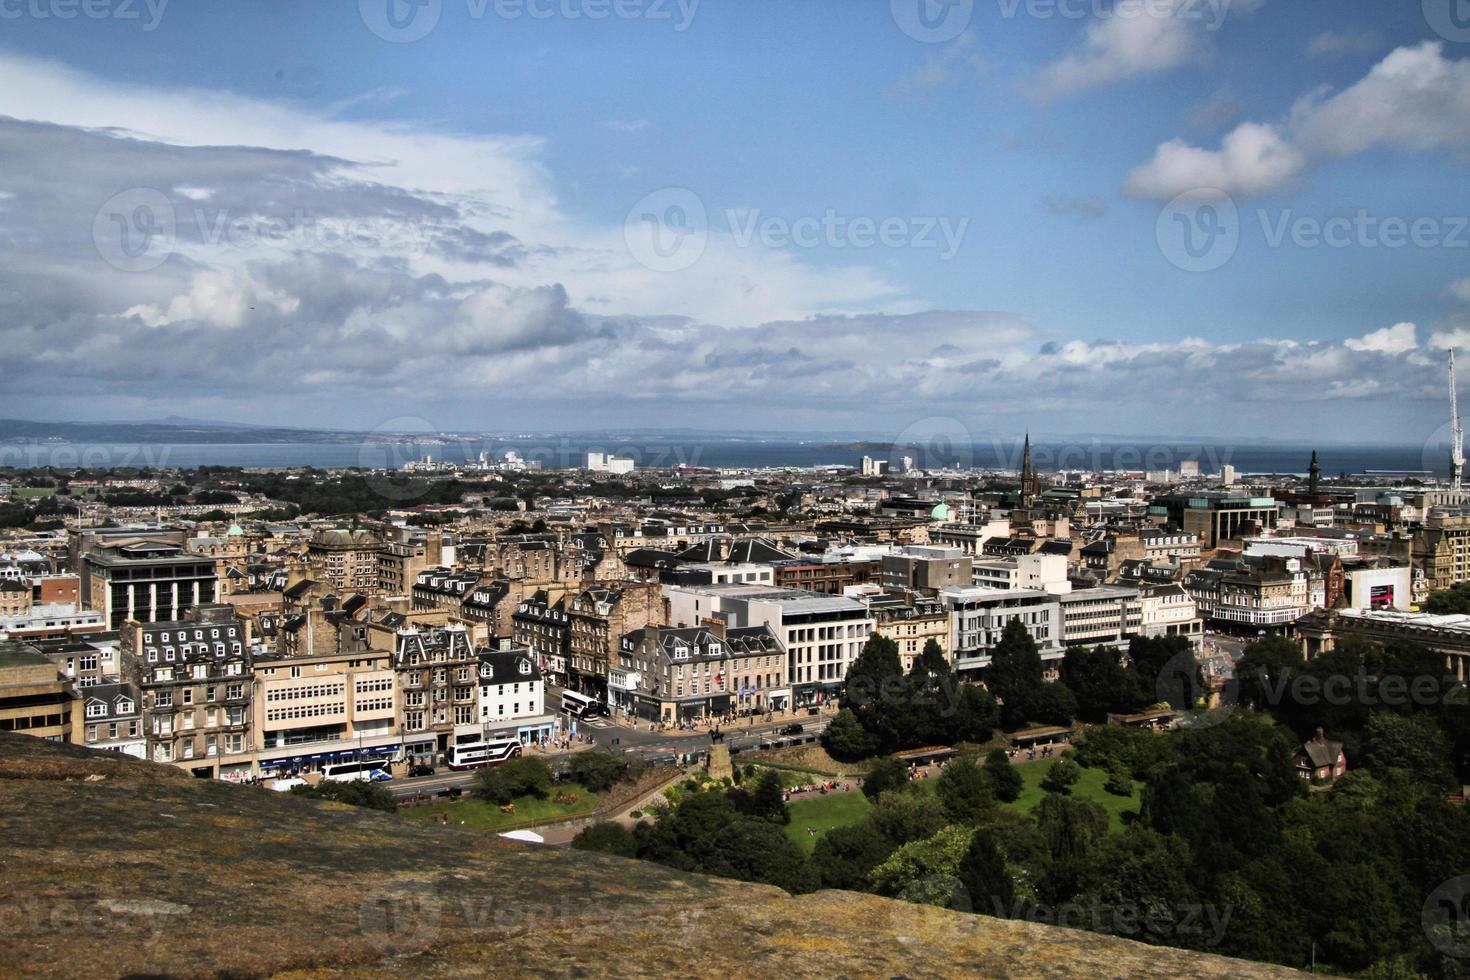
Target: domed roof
[
  {"x": 235, "y": 531},
  {"x": 940, "y": 512}
]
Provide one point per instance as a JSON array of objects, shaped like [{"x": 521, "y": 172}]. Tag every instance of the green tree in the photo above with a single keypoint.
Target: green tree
[
  {"x": 845, "y": 856},
  {"x": 965, "y": 790},
  {"x": 846, "y": 740},
  {"x": 526, "y": 776},
  {"x": 1413, "y": 743},
  {"x": 905, "y": 817},
  {"x": 767, "y": 798},
  {"x": 875, "y": 691},
  {"x": 926, "y": 870},
  {"x": 1454, "y": 601},
  {"x": 984, "y": 874},
  {"x": 598, "y": 771},
  {"x": 887, "y": 775},
  {"x": 607, "y": 838},
  {"x": 1015, "y": 675},
  {"x": 371, "y": 796},
  {"x": 1120, "y": 781},
  {"x": 1003, "y": 776},
  {"x": 1055, "y": 704},
  {"x": 1061, "y": 776},
  {"x": 1070, "y": 830}
]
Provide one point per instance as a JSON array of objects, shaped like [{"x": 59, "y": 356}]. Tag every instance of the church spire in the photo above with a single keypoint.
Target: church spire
[
  {"x": 1028, "y": 479},
  {"x": 1314, "y": 476}
]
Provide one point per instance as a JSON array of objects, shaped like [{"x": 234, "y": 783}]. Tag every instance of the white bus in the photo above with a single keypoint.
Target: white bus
[
  {"x": 580, "y": 705},
  {"x": 367, "y": 770},
  {"x": 478, "y": 753}
]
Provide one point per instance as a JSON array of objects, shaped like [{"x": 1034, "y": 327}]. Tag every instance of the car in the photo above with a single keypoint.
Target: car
[
  {"x": 286, "y": 785},
  {"x": 420, "y": 769},
  {"x": 792, "y": 729}
]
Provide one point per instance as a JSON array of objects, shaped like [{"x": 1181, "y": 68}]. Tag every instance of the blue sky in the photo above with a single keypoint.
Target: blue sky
[{"x": 493, "y": 175}]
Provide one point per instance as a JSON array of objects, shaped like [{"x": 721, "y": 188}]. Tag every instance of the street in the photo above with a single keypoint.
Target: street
[{"x": 615, "y": 735}]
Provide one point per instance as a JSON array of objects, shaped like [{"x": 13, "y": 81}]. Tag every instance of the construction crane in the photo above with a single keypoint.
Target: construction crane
[{"x": 1457, "y": 434}]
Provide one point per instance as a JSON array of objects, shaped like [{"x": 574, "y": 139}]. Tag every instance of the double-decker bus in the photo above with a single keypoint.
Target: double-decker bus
[
  {"x": 580, "y": 705},
  {"x": 476, "y": 752}
]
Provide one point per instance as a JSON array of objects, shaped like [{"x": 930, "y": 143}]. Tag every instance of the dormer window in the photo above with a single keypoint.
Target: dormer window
[{"x": 525, "y": 666}]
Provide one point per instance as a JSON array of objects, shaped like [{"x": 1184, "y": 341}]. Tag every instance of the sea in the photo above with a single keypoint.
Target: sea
[{"x": 729, "y": 452}]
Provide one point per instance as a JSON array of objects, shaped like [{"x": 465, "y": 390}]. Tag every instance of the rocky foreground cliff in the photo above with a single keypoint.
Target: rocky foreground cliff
[{"x": 113, "y": 867}]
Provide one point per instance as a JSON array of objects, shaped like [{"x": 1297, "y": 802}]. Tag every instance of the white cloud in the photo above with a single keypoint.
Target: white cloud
[
  {"x": 1414, "y": 100},
  {"x": 452, "y": 188},
  {"x": 1397, "y": 339},
  {"x": 1460, "y": 289},
  {"x": 1252, "y": 159},
  {"x": 1134, "y": 39}
]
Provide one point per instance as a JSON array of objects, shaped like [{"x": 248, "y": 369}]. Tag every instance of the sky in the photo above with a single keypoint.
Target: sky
[{"x": 1224, "y": 219}]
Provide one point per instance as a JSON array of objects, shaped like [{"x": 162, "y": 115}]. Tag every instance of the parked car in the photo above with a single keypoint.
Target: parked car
[
  {"x": 420, "y": 769},
  {"x": 792, "y": 729},
  {"x": 286, "y": 785}
]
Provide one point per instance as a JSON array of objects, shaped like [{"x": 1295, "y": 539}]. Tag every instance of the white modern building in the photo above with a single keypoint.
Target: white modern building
[
  {"x": 978, "y": 617},
  {"x": 1045, "y": 572},
  {"x": 821, "y": 634}
]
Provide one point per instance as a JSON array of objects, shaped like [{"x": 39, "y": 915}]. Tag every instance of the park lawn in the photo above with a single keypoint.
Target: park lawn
[
  {"x": 479, "y": 815},
  {"x": 1089, "y": 787},
  {"x": 824, "y": 813},
  {"x": 35, "y": 491}
]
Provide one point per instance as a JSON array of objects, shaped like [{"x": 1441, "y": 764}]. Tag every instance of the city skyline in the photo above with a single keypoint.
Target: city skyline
[{"x": 970, "y": 217}]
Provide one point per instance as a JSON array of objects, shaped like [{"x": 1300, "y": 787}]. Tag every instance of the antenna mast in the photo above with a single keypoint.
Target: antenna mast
[{"x": 1457, "y": 434}]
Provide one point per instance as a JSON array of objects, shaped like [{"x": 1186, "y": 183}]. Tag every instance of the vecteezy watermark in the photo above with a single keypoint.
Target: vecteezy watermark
[
  {"x": 1199, "y": 230},
  {"x": 669, "y": 230},
  {"x": 31, "y": 455},
  {"x": 937, "y": 442},
  {"x": 1446, "y": 917},
  {"x": 1450, "y": 19},
  {"x": 1210, "y": 13},
  {"x": 932, "y": 21},
  {"x": 148, "y": 13},
  {"x": 401, "y": 920},
  {"x": 835, "y": 230},
  {"x": 1360, "y": 688},
  {"x": 138, "y": 229},
  {"x": 108, "y": 917},
  {"x": 405, "y": 21},
  {"x": 1191, "y": 924}
]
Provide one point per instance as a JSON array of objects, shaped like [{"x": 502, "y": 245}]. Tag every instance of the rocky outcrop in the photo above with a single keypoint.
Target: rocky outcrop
[{"x": 114, "y": 867}]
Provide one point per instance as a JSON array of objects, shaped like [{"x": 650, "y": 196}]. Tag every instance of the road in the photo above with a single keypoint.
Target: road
[{"x": 617, "y": 736}]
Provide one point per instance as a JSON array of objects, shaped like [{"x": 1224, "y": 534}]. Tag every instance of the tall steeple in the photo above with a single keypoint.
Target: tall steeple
[
  {"x": 1028, "y": 479},
  {"x": 1314, "y": 476}
]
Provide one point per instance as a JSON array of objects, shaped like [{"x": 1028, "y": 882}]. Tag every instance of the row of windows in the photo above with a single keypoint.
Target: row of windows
[
  {"x": 230, "y": 632},
  {"x": 306, "y": 711},
  {"x": 374, "y": 704},
  {"x": 308, "y": 691},
  {"x": 199, "y": 649},
  {"x": 377, "y": 684}
]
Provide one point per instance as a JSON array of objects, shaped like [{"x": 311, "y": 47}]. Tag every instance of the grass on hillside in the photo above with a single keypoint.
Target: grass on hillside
[
  {"x": 1089, "y": 787},
  {"x": 843, "y": 809},
  {"x": 478, "y": 815},
  {"x": 824, "y": 813}
]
